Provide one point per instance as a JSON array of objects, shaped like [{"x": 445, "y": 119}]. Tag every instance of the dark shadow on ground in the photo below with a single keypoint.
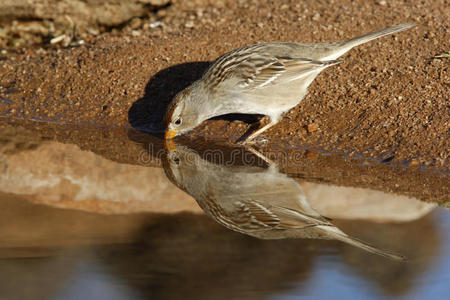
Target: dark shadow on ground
[{"x": 147, "y": 113}]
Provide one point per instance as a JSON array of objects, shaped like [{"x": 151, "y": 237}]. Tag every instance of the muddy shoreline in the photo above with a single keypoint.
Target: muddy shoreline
[{"x": 130, "y": 147}]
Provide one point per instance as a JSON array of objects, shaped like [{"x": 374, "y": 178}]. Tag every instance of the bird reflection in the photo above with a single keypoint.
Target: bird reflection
[{"x": 250, "y": 199}]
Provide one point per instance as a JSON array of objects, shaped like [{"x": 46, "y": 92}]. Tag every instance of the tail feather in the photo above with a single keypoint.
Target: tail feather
[
  {"x": 376, "y": 34},
  {"x": 349, "y": 44},
  {"x": 334, "y": 233}
]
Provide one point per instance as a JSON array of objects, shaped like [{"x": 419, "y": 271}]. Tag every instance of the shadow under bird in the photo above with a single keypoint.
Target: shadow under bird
[
  {"x": 260, "y": 202},
  {"x": 265, "y": 78}
]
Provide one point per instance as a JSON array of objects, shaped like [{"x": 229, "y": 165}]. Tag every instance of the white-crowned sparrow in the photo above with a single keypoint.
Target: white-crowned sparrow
[
  {"x": 257, "y": 201},
  {"x": 265, "y": 78}
]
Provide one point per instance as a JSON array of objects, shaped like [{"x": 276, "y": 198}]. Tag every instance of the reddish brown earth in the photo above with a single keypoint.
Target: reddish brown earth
[{"x": 388, "y": 100}]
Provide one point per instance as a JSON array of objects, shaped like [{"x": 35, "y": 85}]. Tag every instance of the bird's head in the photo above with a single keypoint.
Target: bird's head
[
  {"x": 182, "y": 166},
  {"x": 183, "y": 114}
]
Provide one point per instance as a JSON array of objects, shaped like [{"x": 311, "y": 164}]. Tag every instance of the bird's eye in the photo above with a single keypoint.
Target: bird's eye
[
  {"x": 177, "y": 122},
  {"x": 176, "y": 160}
]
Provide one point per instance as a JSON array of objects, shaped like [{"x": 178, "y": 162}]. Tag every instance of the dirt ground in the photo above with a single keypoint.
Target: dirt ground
[{"x": 388, "y": 100}]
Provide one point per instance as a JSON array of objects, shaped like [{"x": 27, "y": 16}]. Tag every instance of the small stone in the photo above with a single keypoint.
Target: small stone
[
  {"x": 155, "y": 24},
  {"x": 312, "y": 127},
  {"x": 199, "y": 12},
  {"x": 161, "y": 13},
  {"x": 382, "y": 2},
  {"x": 316, "y": 17},
  {"x": 135, "y": 23},
  {"x": 413, "y": 163},
  {"x": 189, "y": 24},
  {"x": 57, "y": 39}
]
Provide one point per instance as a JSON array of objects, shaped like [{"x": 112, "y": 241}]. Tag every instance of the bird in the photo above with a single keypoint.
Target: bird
[
  {"x": 266, "y": 79},
  {"x": 258, "y": 201}
]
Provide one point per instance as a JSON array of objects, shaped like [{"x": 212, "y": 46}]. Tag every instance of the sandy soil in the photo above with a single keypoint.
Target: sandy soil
[
  {"x": 388, "y": 100},
  {"x": 57, "y": 23}
]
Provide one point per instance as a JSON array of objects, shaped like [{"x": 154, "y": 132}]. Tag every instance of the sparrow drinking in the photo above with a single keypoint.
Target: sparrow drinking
[{"x": 265, "y": 78}]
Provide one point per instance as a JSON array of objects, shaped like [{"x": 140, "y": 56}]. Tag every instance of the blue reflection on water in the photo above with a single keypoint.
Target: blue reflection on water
[{"x": 331, "y": 279}]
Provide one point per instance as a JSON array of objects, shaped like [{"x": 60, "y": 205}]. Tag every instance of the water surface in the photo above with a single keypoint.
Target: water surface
[{"x": 96, "y": 217}]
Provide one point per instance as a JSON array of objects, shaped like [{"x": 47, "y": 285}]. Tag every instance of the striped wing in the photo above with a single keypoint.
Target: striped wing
[
  {"x": 254, "y": 216},
  {"x": 251, "y": 216},
  {"x": 253, "y": 67}
]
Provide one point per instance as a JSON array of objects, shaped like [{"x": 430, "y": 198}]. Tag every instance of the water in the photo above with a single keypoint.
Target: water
[{"x": 89, "y": 213}]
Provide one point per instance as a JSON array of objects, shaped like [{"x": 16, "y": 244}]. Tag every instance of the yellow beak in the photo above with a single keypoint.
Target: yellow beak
[
  {"x": 170, "y": 134},
  {"x": 170, "y": 145}
]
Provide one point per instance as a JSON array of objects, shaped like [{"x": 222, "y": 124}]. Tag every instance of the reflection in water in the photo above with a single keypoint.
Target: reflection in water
[
  {"x": 420, "y": 243},
  {"x": 50, "y": 253},
  {"x": 261, "y": 202},
  {"x": 68, "y": 254}
]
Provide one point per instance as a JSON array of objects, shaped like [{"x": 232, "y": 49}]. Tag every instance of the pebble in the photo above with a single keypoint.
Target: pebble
[
  {"x": 162, "y": 13},
  {"x": 413, "y": 163},
  {"x": 135, "y": 23},
  {"x": 155, "y": 24},
  {"x": 312, "y": 127},
  {"x": 189, "y": 24}
]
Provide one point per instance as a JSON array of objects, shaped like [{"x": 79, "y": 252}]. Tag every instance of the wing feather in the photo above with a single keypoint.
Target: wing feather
[
  {"x": 254, "y": 216},
  {"x": 253, "y": 68},
  {"x": 251, "y": 215}
]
